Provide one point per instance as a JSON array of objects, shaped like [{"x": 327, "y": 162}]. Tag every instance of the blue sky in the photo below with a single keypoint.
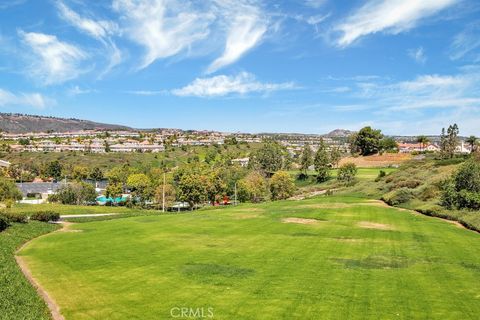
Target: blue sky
[{"x": 404, "y": 66}]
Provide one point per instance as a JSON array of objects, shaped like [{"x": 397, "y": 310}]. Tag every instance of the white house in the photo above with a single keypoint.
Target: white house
[{"x": 4, "y": 164}]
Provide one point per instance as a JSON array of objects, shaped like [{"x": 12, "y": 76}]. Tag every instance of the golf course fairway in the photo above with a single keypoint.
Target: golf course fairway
[{"x": 322, "y": 258}]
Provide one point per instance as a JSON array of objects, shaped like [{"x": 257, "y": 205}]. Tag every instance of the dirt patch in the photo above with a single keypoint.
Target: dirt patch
[
  {"x": 374, "y": 225},
  {"x": 299, "y": 220},
  {"x": 378, "y": 160},
  {"x": 244, "y": 216},
  {"x": 66, "y": 227}
]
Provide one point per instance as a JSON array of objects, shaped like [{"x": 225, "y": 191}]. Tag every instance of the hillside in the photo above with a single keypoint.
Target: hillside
[{"x": 20, "y": 123}]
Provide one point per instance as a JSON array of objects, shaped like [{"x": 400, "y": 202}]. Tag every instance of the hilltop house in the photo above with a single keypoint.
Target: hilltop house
[{"x": 4, "y": 164}]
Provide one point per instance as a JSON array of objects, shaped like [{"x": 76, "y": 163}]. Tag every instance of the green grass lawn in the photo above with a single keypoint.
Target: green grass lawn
[
  {"x": 356, "y": 260},
  {"x": 18, "y": 299},
  {"x": 74, "y": 210}
]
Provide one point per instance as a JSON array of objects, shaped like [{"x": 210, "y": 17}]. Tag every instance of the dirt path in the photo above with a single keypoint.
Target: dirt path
[{"x": 52, "y": 305}]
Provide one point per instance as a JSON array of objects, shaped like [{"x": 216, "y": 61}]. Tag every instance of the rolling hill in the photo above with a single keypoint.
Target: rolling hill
[{"x": 20, "y": 123}]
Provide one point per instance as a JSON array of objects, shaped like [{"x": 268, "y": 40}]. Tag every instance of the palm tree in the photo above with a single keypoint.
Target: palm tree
[
  {"x": 423, "y": 140},
  {"x": 472, "y": 141}
]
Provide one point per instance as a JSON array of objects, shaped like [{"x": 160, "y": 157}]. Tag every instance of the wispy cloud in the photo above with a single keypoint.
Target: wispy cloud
[
  {"x": 76, "y": 90},
  {"x": 36, "y": 100},
  {"x": 314, "y": 3},
  {"x": 246, "y": 27},
  {"x": 418, "y": 55},
  {"x": 98, "y": 29},
  {"x": 102, "y": 30},
  {"x": 53, "y": 61},
  {"x": 389, "y": 16},
  {"x": 163, "y": 27},
  {"x": 147, "y": 92},
  {"x": 223, "y": 85},
  {"x": 466, "y": 42}
]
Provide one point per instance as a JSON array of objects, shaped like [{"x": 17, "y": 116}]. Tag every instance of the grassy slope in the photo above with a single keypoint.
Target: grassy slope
[
  {"x": 110, "y": 160},
  {"x": 18, "y": 299},
  {"x": 246, "y": 264},
  {"x": 74, "y": 210},
  {"x": 428, "y": 174}
]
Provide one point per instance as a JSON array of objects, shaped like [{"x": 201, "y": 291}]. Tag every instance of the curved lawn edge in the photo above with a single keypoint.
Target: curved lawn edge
[
  {"x": 432, "y": 214},
  {"x": 18, "y": 299},
  {"x": 50, "y": 302}
]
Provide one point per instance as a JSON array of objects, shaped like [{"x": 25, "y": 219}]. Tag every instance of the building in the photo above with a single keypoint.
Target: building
[
  {"x": 39, "y": 189},
  {"x": 4, "y": 164},
  {"x": 242, "y": 162}
]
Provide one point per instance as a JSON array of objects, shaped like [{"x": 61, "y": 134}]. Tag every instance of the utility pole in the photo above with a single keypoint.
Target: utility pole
[{"x": 163, "y": 194}]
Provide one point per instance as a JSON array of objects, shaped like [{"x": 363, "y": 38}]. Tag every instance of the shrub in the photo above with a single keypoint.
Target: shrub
[
  {"x": 381, "y": 174},
  {"x": 281, "y": 186},
  {"x": 3, "y": 223},
  {"x": 399, "y": 196},
  {"x": 45, "y": 216},
  {"x": 463, "y": 189},
  {"x": 411, "y": 184},
  {"x": 347, "y": 172},
  {"x": 14, "y": 217}
]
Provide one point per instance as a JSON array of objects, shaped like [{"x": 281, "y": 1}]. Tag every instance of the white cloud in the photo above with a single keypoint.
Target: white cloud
[
  {"x": 76, "y": 90},
  {"x": 418, "y": 55},
  {"x": 246, "y": 27},
  {"x": 425, "y": 92},
  {"x": 97, "y": 29},
  {"x": 223, "y": 85},
  {"x": 147, "y": 92},
  {"x": 102, "y": 30},
  {"x": 163, "y": 27},
  {"x": 466, "y": 42},
  {"x": 314, "y": 3},
  {"x": 390, "y": 16},
  {"x": 36, "y": 100},
  {"x": 53, "y": 61}
]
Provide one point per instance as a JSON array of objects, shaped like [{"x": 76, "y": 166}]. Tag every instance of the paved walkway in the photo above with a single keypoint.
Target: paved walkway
[{"x": 67, "y": 216}]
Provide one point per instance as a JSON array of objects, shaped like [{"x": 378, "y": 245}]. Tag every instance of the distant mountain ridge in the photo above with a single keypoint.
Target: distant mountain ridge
[
  {"x": 22, "y": 123},
  {"x": 339, "y": 133}
]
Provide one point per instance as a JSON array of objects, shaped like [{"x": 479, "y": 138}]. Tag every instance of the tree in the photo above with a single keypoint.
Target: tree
[
  {"x": 169, "y": 192},
  {"x": 281, "y": 186},
  {"x": 472, "y": 142},
  {"x": 463, "y": 189},
  {"x": 321, "y": 162},
  {"x": 269, "y": 158},
  {"x": 443, "y": 144},
  {"x": 306, "y": 159},
  {"x": 118, "y": 175},
  {"x": 347, "y": 173},
  {"x": 76, "y": 193},
  {"x": 80, "y": 173},
  {"x": 140, "y": 186},
  {"x": 423, "y": 141},
  {"x": 367, "y": 141},
  {"x": 211, "y": 155},
  {"x": 216, "y": 186},
  {"x": 452, "y": 140},
  {"x": 335, "y": 156},
  {"x": 96, "y": 174},
  {"x": 53, "y": 170},
  {"x": 253, "y": 187},
  {"x": 114, "y": 190},
  {"x": 388, "y": 145},
  {"x": 192, "y": 188},
  {"x": 9, "y": 191}
]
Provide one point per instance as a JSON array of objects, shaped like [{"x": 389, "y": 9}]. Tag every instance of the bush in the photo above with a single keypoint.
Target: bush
[
  {"x": 14, "y": 217},
  {"x": 381, "y": 174},
  {"x": 463, "y": 189},
  {"x": 347, "y": 173},
  {"x": 281, "y": 186},
  {"x": 411, "y": 184},
  {"x": 45, "y": 216},
  {"x": 3, "y": 223},
  {"x": 399, "y": 196}
]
